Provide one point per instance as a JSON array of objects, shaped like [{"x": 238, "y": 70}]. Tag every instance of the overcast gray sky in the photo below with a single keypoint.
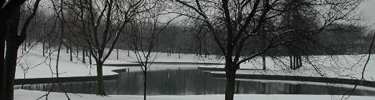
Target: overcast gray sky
[{"x": 367, "y": 8}]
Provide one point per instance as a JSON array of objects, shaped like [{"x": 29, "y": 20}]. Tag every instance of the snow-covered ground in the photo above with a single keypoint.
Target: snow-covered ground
[
  {"x": 344, "y": 66},
  {"x": 32, "y": 95},
  {"x": 45, "y": 67}
]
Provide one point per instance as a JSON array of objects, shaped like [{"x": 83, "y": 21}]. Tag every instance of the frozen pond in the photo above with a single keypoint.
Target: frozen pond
[{"x": 194, "y": 82}]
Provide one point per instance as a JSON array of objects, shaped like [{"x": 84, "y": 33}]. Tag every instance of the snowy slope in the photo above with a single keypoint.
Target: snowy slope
[
  {"x": 343, "y": 66},
  {"x": 44, "y": 67}
]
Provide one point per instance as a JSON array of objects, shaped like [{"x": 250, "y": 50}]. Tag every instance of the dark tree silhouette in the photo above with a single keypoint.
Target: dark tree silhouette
[
  {"x": 234, "y": 23},
  {"x": 9, "y": 20},
  {"x": 8, "y": 8},
  {"x": 144, "y": 36},
  {"x": 101, "y": 23}
]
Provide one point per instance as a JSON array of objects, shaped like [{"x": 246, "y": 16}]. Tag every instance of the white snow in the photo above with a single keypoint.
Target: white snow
[
  {"x": 343, "y": 66},
  {"x": 32, "y": 95},
  {"x": 338, "y": 66},
  {"x": 44, "y": 67}
]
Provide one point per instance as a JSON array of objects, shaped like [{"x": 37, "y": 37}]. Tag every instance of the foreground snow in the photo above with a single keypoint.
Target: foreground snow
[
  {"x": 343, "y": 66},
  {"x": 32, "y": 95},
  {"x": 339, "y": 66}
]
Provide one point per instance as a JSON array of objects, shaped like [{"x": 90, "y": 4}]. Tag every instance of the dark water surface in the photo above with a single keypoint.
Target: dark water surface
[{"x": 192, "y": 82}]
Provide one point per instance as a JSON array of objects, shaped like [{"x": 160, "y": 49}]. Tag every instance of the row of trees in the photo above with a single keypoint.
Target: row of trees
[
  {"x": 233, "y": 25},
  {"x": 237, "y": 30}
]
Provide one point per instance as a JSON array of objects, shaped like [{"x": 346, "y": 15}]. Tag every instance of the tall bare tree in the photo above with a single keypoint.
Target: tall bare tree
[
  {"x": 7, "y": 9},
  {"x": 233, "y": 23},
  {"x": 301, "y": 19},
  {"x": 13, "y": 40},
  {"x": 144, "y": 36},
  {"x": 101, "y": 23}
]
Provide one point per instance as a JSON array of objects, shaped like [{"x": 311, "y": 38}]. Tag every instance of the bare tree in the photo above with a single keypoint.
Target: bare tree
[
  {"x": 144, "y": 37},
  {"x": 101, "y": 22},
  {"x": 233, "y": 24},
  {"x": 301, "y": 19},
  {"x": 13, "y": 41},
  {"x": 7, "y": 9}
]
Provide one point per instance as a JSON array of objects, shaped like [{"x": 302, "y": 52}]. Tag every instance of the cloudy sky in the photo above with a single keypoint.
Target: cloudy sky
[{"x": 367, "y": 9}]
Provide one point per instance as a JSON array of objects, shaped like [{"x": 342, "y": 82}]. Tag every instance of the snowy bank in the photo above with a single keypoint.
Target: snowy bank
[{"x": 32, "y": 95}]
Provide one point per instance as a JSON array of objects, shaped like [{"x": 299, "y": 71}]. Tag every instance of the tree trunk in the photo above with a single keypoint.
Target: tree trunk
[
  {"x": 13, "y": 41},
  {"x": 44, "y": 49},
  {"x": 77, "y": 50},
  {"x": 117, "y": 53},
  {"x": 99, "y": 70},
  {"x": 4, "y": 16},
  {"x": 128, "y": 52},
  {"x": 238, "y": 87},
  {"x": 90, "y": 59},
  {"x": 264, "y": 62},
  {"x": 291, "y": 62},
  {"x": 295, "y": 62},
  {"x": 71, "y": 52},
  {"x": 299, "y": 61},
  {"x": 83, "y": 55},
  {"x": 2, "y": 50},
  {"x": 11, "y": 61},
  {"x": 230, "y": 85},
  {"x": 145, "y": 84}
]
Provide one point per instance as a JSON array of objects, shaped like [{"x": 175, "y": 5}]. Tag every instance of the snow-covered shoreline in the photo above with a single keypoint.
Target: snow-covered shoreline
[
  {"x": 32, "y": 95},
  {"x": 340, "y": 66},
  {"x": 42, "y": 67},
  {"x": 343, "y": 66}
]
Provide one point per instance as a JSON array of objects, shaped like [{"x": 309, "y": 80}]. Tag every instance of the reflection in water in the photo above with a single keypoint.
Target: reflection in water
[{"x": 192, "y": 82}]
